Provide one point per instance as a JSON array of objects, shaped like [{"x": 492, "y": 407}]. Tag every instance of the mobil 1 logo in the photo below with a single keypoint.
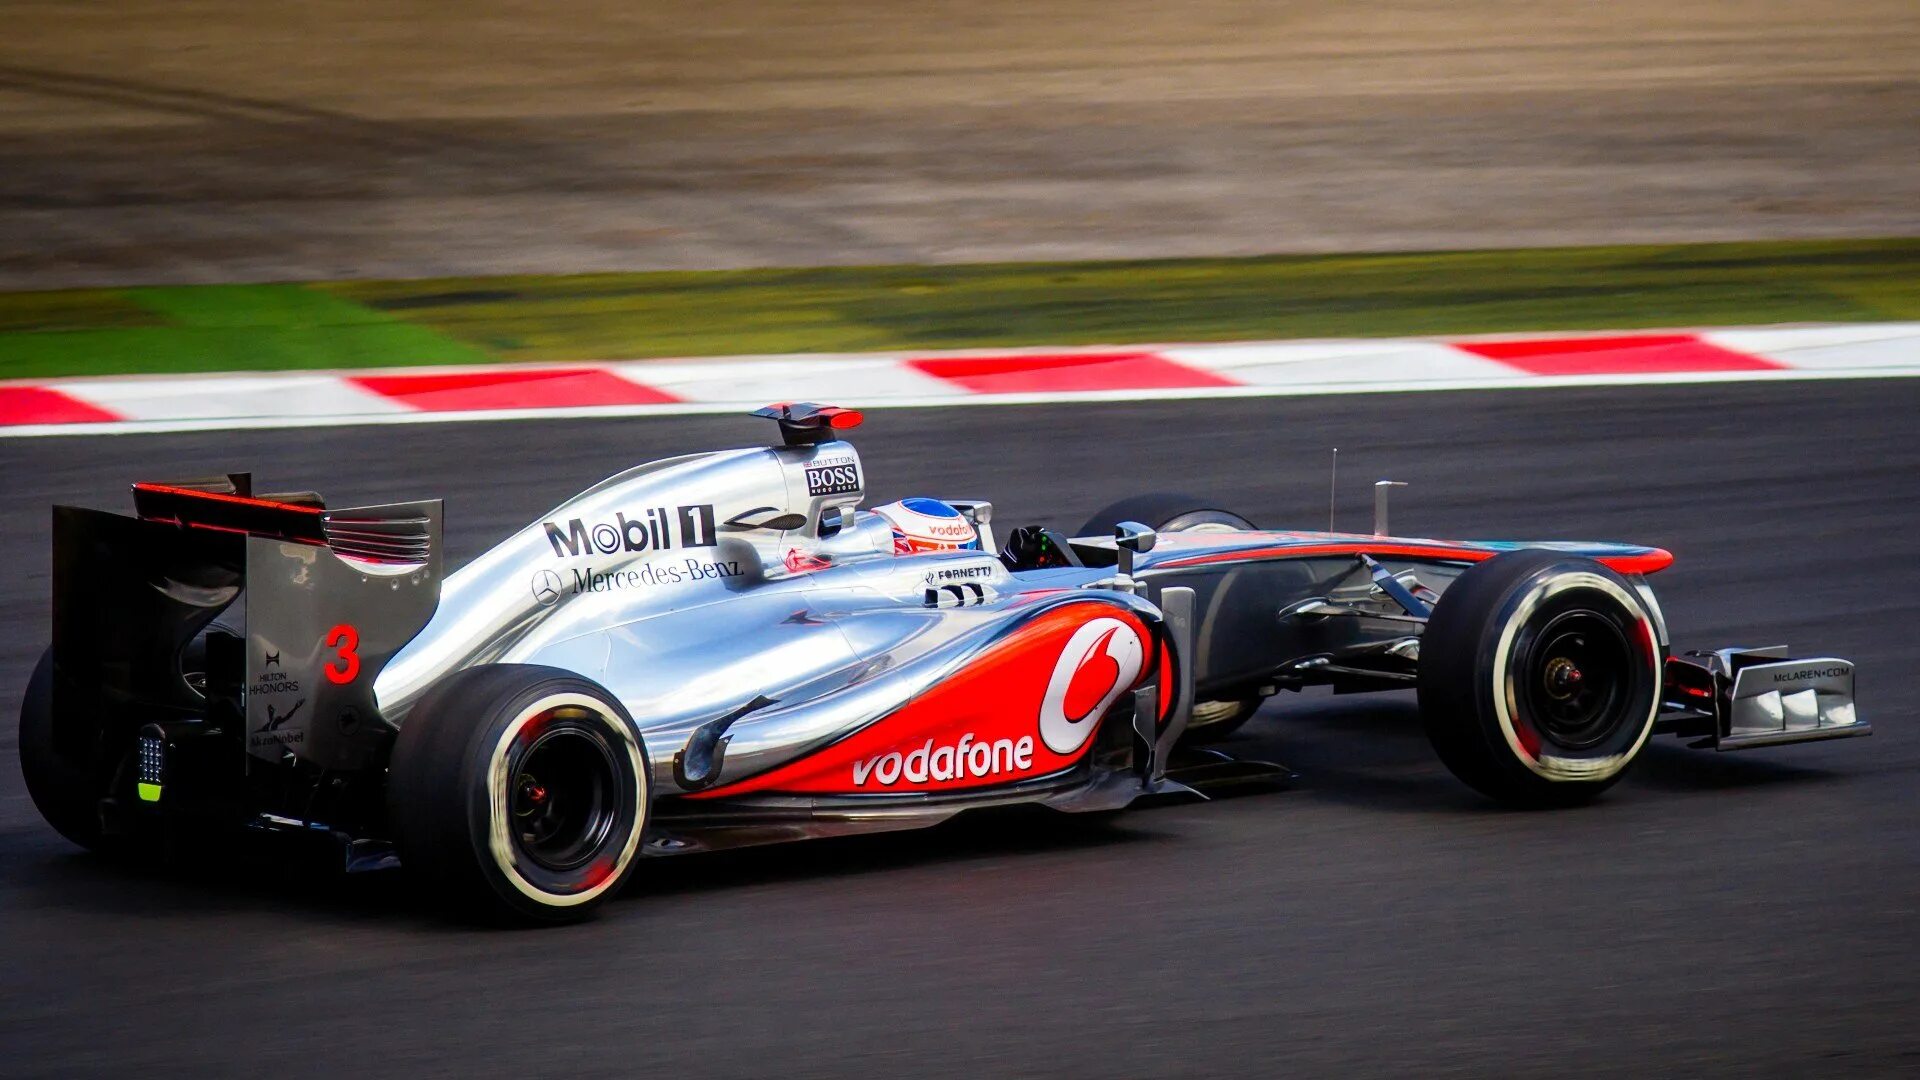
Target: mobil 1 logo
[
  {"x": 833, "y": 476},
  {"x": 657, "y": 528}
]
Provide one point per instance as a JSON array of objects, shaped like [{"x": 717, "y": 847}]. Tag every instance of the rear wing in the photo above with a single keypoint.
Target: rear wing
[
  {"x": 383, "y": 534},
  {"x": 266, "y": 617}
]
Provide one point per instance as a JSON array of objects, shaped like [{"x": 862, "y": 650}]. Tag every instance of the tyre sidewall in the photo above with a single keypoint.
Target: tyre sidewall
[
  {"x": 494, "y": 766},
  {"x": 1219, "y": 729},
  {"x": 456, "y": 825},
  {"x": 64, "y": 791},
  {"x": 1163, "y": 512},
  {"x": 1468, "y": 697},
  {"x": 1545, "y": 595},
  {"x": 1172, "y": 512}
]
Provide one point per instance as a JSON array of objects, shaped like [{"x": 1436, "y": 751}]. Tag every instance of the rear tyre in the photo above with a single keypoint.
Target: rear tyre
[
  {"x": 62, "y": 789},
  {"x": 1215, "y": 720},
  {"x": 1539, "y": 678},
  {"x": 1168, "y": 512},
  {"x": 519, "y": 791},
  {"x": 1165, "y": 512}
]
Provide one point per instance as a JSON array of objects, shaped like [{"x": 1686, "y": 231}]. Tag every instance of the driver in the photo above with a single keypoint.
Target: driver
[{"x": 928, "y": 525}]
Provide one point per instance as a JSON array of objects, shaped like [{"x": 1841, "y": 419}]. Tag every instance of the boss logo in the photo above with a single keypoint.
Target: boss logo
[{"x": 833, "y": 479}]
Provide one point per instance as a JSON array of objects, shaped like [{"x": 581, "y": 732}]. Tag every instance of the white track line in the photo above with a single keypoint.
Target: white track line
[{"x": 708, "y": 408}]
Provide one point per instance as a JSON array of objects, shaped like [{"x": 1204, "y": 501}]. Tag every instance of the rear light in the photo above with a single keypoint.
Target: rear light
[{"x": 151, "y": 772}]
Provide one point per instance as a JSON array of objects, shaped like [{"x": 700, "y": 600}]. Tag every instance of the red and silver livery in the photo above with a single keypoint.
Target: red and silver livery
[{"x": 725, "y": 648}]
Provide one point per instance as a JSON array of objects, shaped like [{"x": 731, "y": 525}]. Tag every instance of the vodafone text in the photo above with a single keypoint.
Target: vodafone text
[{"x": 966, "y": 758}]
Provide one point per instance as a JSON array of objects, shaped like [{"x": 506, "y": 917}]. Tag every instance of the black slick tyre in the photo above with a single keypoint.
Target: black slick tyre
[
  {"x": 1169, "y": 512},
  {"x": 520, "y": 792},
  {"x": 62, "y": 789},
  {"x": 1539, "y": 678},
  {"x": 1215, "y": 720},
  {"x": 1164, "y": 512}
]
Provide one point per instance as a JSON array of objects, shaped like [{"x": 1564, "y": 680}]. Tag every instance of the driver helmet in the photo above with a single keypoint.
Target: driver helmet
[{"x": 928, "y": 525}]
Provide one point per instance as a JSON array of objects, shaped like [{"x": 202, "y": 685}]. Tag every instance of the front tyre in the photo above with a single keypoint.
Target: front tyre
[
  {"x": 1539, "y": 678},
  {"x": 519, "y": 791},
  {"x": 1167, "y": 512}
]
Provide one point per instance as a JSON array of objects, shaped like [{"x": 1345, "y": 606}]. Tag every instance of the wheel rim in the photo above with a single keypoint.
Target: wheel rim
[
  {"x": 565, "y": 797},
  {"x": 1208, "y": 713},
  {"x": 1590, "y": 728},
  {"x": 1575, "y": 678}
]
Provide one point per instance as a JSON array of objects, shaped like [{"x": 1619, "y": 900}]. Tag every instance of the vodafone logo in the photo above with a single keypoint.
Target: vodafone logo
[
  {"x": 964, "y": 759},
  {"x": 1101, "y": 660}
]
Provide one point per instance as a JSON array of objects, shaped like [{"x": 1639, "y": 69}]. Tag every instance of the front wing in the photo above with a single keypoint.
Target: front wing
[{"x": 1741, "y": 698}]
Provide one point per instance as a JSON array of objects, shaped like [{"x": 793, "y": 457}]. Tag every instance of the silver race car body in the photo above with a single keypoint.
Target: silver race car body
[{"x": 784, "y": 667}]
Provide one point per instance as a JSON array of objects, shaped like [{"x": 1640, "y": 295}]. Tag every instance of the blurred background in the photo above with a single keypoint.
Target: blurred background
[{"x": 191, "y": 141}]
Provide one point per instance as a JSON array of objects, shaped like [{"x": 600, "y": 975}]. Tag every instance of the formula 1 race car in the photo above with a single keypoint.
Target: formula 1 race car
[{"x": 721, "y": 649}]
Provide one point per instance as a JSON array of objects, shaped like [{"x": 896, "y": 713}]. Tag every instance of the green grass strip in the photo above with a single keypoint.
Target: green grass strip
[
  {"x": 209, "y": 328},
  {"x": 892, "y": 308}
]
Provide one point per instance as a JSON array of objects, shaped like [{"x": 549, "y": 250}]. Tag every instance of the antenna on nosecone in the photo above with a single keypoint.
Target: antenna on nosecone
[{"x": 1333, "y": 485}]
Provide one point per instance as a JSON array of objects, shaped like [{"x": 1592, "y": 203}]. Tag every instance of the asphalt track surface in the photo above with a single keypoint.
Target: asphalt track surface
[{"x": 1748, "y": 914}]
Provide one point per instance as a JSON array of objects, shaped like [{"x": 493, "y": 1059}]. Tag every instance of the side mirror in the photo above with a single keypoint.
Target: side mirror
[
  {"x": 1135, "y": 537},
  {"x": 1132, "y": 538}
]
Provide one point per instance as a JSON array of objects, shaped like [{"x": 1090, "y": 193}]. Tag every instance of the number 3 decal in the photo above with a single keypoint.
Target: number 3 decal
[{"x": 346, "y": 667}]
